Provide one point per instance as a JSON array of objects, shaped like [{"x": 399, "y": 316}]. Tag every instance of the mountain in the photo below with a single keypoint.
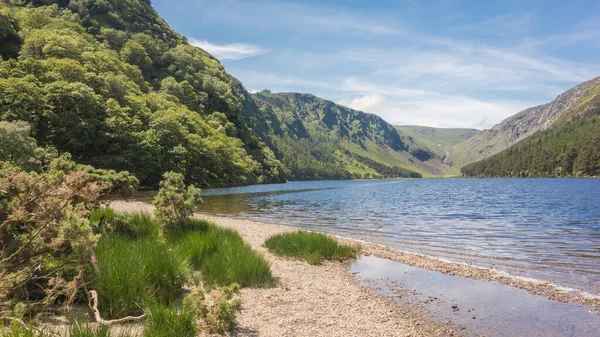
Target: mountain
[
  {"x": 109, "y": 82},
  {"x": 568, "y": 143},
  {"x": 572, "y": 150},
  {"x": 438, "y": 141},
  {"x": 319, "y": 139},
  {"x": 577, "y": 101}
]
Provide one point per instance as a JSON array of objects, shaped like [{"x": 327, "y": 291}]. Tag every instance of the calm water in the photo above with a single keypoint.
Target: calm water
[
  {"x": 484, "y": 308},
  {"x": 543, "y": 228}
]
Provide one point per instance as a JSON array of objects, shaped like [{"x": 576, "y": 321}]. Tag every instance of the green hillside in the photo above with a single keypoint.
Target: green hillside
[
  {"x": 578, "y": 101},
  {"x": 110, "y": 83},
  {"x": 569, "y": 147},
  {"x": 438, "y": 140},
  {"x": 318, "y": 139},
  {"x": 572, "y": 150}
]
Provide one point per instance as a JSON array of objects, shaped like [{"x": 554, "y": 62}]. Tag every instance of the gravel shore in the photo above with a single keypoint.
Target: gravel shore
[
  {"x": 325, "y": 300},
  {"x": 313, "y": 300}
]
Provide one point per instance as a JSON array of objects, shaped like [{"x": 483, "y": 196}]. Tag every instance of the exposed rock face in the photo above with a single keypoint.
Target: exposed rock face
[{"x": 527, "y": 122}]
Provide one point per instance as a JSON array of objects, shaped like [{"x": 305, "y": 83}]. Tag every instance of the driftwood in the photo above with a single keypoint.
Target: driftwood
[{"x": 93, "y": 303}]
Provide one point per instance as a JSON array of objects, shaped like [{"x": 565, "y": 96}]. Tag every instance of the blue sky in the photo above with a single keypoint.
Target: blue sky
[{"x": 438, "y": 63}]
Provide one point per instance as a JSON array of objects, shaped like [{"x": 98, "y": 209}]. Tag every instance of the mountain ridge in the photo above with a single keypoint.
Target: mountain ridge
[{"x": 523, "y": 124}]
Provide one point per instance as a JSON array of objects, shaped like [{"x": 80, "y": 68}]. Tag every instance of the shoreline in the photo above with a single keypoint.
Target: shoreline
[
  {"x": 314, "y": 300},
  {"x": 311, "y": 300},
  {"x": 534, "y": 286}
]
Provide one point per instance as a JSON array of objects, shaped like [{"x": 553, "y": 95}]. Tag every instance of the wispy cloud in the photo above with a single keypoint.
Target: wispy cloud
[
  {"x": 406, "y": 106},
  {"x": 501, "y": 25},
  {"x": 367, "y": 102},
  {"x": 233, "y": 51},
  {"x": 472, "y": 71},
  {"x": 266, "y": 15}
]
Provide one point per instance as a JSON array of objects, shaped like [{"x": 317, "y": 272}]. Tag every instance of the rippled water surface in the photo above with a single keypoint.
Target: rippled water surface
[{"x": 543, "y": 228}]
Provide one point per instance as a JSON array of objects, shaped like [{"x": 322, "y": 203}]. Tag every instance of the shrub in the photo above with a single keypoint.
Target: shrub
[
  {"x": 165, "y": 321},
  {"x": 45, "y": 235},
  {"x": 216, "y": 312},
  {"x": 309, "y": 246},
  {"x": 221, "y": 255},
  {"x": 133, "y": 272},
  {"x": 174, "y": 202}
]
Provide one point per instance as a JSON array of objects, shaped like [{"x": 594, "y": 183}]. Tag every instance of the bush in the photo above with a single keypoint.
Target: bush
[
  {"x": 134, "y": 272},
  {"x": 217, "y": 312},
  {"x": 174, "y": 202},
  {"x": 165, "y": 321},
  {"x": 309, "y": 246},
  {"x": 45, "y": 237},
  {"x": 221, "y": 255}
]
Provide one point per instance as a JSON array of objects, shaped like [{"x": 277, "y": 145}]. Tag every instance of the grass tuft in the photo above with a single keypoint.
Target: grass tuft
[
  {"x": 18, "y": 330},
  {"x": 166, "y": 321},
  {"x": 132, "y": 272},
  {"x": 310, "y": 246},
  {"x": 85, "y": 330},
  {"x": 221, "y": 255}
]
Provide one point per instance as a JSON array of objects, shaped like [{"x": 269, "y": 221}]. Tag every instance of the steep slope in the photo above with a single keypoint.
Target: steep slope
[
  {"x": 572, "y": 150},
  {"x": 575, "y": 102},
  {"x": 315, "y": 135}
]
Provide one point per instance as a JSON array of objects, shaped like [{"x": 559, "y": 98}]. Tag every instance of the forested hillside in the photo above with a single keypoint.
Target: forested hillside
[
  {"x": 569, "y": 151},
  {"x": 568, "y": 147},
  {"x": 110, "y": 83},
  {"x": 577, "y": 101}
]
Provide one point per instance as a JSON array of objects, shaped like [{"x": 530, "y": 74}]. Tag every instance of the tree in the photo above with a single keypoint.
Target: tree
[
  {"x": 16, "y": 145},
  {"x": 174, "y": 202},
  {"x": 134, "y": 53}
]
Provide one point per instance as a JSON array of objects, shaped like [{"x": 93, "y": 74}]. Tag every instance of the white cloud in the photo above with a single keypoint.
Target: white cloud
[
  {"x": 234, "y": 51},
  {"x": 373, "y": 61},
  {"x": 365, "y": 103},
  {"x": 405, "y": 106}
]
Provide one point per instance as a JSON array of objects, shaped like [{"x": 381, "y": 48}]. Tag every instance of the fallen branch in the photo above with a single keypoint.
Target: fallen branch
[{"x": 93, "y": 303}]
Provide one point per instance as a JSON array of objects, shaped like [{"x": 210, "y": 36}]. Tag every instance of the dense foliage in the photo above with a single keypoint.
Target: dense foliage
[
  {"x": 111, "y": 84},
  {"x": 46, "y": 238},
  {"x": 572, "y": 150}
]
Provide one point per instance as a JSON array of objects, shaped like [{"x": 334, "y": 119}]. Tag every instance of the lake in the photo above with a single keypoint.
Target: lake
[{"x": 548, "y": 229}]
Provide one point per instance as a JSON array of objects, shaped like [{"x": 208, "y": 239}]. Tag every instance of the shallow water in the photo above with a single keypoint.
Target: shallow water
[
  {"x": 543, "y": 228},
  {"x": 483, "y": 308}
]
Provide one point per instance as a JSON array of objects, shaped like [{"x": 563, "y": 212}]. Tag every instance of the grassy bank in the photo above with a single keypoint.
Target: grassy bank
[
  {"x": 310, "y": 246},
  {"x": 139, "y": 265}
]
